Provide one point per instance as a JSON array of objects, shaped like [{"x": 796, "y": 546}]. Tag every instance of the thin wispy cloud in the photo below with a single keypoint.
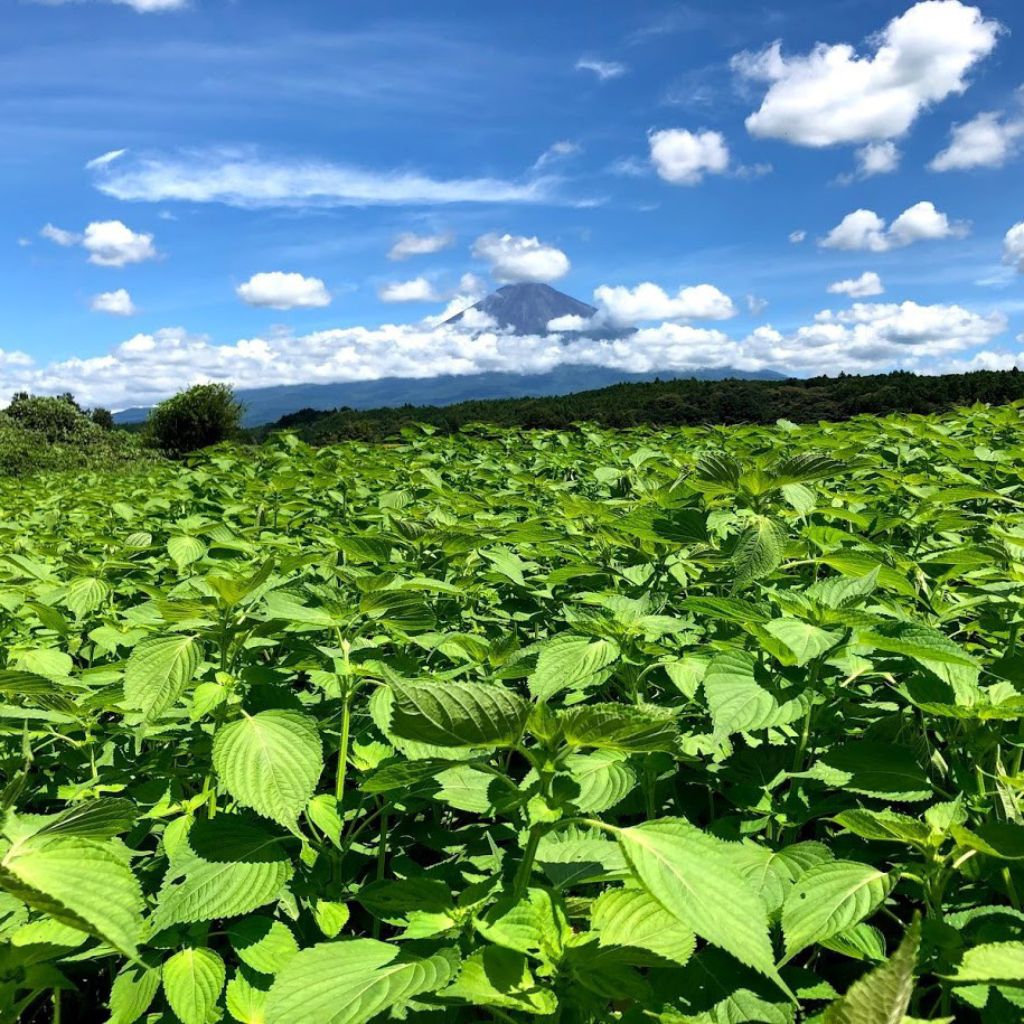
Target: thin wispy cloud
[
  {"x": 604, "y": 69},
  {"x": 250, "y": 181}
]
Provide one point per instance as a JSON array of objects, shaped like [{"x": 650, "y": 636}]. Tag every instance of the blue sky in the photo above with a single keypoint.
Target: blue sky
[{"x": 213, "y": 189}]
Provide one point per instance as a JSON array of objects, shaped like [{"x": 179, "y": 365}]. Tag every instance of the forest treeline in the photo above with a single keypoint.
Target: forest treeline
[{"x": 683, "y": 402}]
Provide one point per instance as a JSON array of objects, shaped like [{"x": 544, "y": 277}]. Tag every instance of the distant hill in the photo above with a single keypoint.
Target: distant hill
[
  {"x": 678, "y": 402},
  {"x": 266, "y": 405},
  {"x": 521, "y": 308}
]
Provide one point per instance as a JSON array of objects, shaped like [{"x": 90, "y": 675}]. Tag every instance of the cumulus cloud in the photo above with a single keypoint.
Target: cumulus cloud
[
  {"x": 278, "y": 290},
  {"x": 796, "y": 237},
  {"x": 109, "y": 243},
  {"x": 117, "y": 303},
  {"x": 1013, "y": 246},
  {"x": 243, "y": 179},
  {"x": 410, "y": 244},
  {"x": 604, "y": 69},
  {"x": 869, "y": 283},
  {"x": 866, "y": 337},
  {"x": 646, "y": 302},
  {"x": 471, "y": 289},
  {"x": 865, "y": 230},
  {"x": 988, "y": 140},
  {"x": 874, "y": 158},
  {"x": 683, "y": 157},
  {"x": 836, "y": 95},
  {"x": 515, "y": 258},
  {"x": 419, "y": 289}
]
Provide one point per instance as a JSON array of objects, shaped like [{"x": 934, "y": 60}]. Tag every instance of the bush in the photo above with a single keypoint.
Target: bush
[
  {"x": 39, "y": 433},
  {"x": 56, "y": 419},
  {"x": 102, "y": 418},
  {"x": 197, "y": 418}
]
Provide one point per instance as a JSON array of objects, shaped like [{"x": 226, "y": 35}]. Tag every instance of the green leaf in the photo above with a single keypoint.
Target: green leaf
[
  {"x": 270, "y": 762},
  {"x": 830, "y": 898},
  {"x": 759, "y": 550},
  {"x": 494, "y": 976},
  {"x": 572, "y": 663},
  {"x": 694, "y": 876},
  {"x": 193, "y": 980},
  {"x": 262, "y": 943},
  {"x": 229, "y": 867},
  {"x": 132, "y": 993},
  {"x": 875, "y": 769},
  {"x": 158, "y": 671},
  {"x": 93, "y": 819},
  {"x": 634, "y": 918},
  {"x": 352, "y": 981},
  {"x": 804, "y": 640},
  {"x": 185, "y": 550},
  {"x": 246, "y": 998},
  {"x": 630, "y": 728},
  {"x": 458, "y": 714},
  {"x": 604, "y": 778},
  {"x": 84, "y": 883},
  {"x": 736, "y": 701},
  {"x": 85, "y": 595},
  {"x": 883, "y": 995},
  {"x": 992, "y": 962}
]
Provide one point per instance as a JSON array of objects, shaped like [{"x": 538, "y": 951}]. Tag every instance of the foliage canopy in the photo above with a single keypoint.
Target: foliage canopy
[{"x": 698, "y": 727}]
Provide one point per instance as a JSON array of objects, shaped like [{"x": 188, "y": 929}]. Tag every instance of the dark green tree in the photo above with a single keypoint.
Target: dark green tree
[{"x": 203, "y": 415}]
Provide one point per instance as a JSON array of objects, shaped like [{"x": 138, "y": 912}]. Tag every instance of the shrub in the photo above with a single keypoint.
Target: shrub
[
  {"x": 40, "y": 433},
  {"x": 57, "y": 419},
  {"x": 203, "y": 415}
]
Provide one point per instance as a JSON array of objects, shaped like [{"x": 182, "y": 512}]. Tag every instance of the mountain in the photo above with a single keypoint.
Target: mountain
[
  {"x": 523, "y": 308},
  {"x": 528, "y": 308}
]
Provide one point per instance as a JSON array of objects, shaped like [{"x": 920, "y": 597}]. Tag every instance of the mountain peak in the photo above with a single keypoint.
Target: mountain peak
[{"x": 527, "y": 308}]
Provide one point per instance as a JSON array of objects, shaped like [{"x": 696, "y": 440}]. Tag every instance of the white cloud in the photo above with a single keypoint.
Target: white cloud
[
  {"x": 796, "y": 237},
  {"x": 756, "y": 305},
  {"x": 864, "y": 338},
  {"x": 987, "y": 140},
  {"x": 683, "y": 158},
  {"x": 874, "y": 158},
  {"x": 409, "y": 244},
  {"x": 59, "y": 235},
  {"x": 835, "y": 95},
  {"x": 141, "y": 6},
  {"x": 865, "y": 230},
  {"x": 277, "y": 290},
  {"x": 419, "y": 289},
  {"x": 110, "y": 243},
  {"x": 629, "y": 167},
  {"x": 104, "y": 159},
  {"x": 117, "y": 303},
  {"x": 646, "y": 302},
  {"x": 869, "y": 283},
  {"x": 571, "y": 322},
  {"x": 557, "y": 151},
  {"x": 154, "y": 6},
  {"x": 471, "y": 290},
  {"x": 514, "y": 258},
  {"x": 1013, "y": 246},
  {"x": 243, "y": 179},
  {"x": 604, "y": 69}
]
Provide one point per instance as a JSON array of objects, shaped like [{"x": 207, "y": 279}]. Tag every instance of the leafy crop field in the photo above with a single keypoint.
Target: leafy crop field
[{"x": 702, "y": 726}]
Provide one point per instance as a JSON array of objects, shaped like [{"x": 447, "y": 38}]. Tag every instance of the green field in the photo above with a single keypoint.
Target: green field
[{"x": 691, "y": 725}]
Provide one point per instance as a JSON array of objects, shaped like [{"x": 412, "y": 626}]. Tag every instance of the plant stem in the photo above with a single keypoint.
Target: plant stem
[
  {"x": 525, "y": 869},
  {"x": 346, "y": 715}
]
